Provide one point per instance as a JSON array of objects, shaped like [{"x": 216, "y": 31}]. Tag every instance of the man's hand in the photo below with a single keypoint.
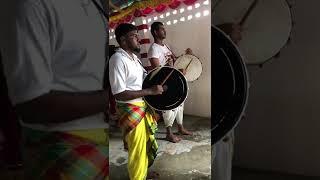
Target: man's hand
[
  {"x": 170, "y": 60},
  {"x": 68, "y": 106},
  {"x": 156, "y": 90},
  {"x": 233, "y": 30},
  {"x": 189, "y": 51},
  {"x": 183, "y": 71}
]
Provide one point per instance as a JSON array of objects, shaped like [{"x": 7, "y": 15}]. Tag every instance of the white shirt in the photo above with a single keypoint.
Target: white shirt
[
  {"x": 55, "y": 45},
  {"x": 126, "y": 73},
  {"x": 160, "y": 52}
]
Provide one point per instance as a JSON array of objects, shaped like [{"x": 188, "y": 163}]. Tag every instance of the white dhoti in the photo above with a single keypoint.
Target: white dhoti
[
  {"x": 223, "y": 154},
  {"x": 171, "y": 115}
]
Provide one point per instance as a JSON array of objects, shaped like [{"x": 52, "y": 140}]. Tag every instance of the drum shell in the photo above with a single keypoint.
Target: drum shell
[{"x": 230, "y": 85}]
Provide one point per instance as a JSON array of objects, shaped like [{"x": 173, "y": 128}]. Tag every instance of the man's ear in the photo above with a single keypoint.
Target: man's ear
[
  {"x": 155, "y": 33},
  {"x": 123, "y": 40}
]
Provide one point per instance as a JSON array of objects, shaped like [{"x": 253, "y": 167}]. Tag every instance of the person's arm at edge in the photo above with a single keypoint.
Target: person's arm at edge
[{"x": 59, "y": 106}]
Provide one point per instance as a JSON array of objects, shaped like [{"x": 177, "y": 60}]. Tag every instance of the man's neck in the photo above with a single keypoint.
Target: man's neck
[
  {"x": 159, "y": 41},
  {"x": 129, "y": 51}
]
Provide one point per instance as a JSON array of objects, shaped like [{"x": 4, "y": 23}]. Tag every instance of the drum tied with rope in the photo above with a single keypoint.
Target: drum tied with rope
[
  {"x": 191, "y": 64},
  {"x": 174, "y": 84}
]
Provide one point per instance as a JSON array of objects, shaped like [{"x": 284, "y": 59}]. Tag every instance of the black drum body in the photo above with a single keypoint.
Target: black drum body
[
  {"x": 230, "y": 85},
  {"x": 176, "y": 88}
]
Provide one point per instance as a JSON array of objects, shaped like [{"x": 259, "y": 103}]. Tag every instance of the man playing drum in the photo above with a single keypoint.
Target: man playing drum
[
  {"x": 137, "y": 120},
  {"x": 159, "y": 54}
]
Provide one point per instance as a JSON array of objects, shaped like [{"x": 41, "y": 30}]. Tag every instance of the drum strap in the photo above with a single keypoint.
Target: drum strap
[{"x": 171, "y": 51}]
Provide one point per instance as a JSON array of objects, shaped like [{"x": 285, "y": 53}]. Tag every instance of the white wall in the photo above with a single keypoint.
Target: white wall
[
  {"x": 195, "y": 34},
  {"x": 282, "y": 128}
]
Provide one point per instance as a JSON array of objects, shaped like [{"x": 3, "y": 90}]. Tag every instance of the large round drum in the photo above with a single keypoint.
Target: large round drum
[
  {"x": 230, "y": 85},
  {"x": 191, "y": 64},
  {"x": 266, "y": 29},
  {"x": 175, "y": 84}
]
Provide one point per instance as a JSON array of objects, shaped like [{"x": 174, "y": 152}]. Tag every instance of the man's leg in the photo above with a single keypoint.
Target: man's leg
[
  {"x": 137, "y": 151},
  {"x": 168, "y": 118},
  {"x": 179, "y": 118},
  {"x": 222, "y": 163}
]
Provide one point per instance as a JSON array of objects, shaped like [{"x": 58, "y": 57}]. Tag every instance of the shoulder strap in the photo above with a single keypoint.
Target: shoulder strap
[{"x": 170, "y": 50}]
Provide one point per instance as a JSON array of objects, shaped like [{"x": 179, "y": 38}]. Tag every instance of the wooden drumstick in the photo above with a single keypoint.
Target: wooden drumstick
[
  {"x": 188, "y": 65},
  {"x": 167, "y": 77},
  {"x": 246, "y": 15},
  {"x": 155, "y": 72}
]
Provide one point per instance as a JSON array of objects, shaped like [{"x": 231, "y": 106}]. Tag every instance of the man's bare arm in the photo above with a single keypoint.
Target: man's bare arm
[
  {"x": 129, "y": 95},
  {"x": 155, "y": 62},
  {"x": 60, "y": 106}
]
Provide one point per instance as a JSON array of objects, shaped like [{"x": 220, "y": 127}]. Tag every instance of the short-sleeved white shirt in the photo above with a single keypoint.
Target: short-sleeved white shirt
[
  {"x": 55, "y": 45},
  {"x": 126, "y": 73},
  {"x": 160, "y": 52}
]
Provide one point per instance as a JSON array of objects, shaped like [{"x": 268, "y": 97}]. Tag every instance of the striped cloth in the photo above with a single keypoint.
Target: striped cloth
[
  {"x": 74, "y": 155},
  {"x": 130, "y": 117}
]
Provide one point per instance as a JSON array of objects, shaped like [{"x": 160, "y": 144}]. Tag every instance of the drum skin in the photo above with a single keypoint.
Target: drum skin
[
  {"x": 230, "y": 85},
  {"x": 192, "y": 65},
  {"x": 266, "y": 30},
  {"x": 176, "y": 93}
]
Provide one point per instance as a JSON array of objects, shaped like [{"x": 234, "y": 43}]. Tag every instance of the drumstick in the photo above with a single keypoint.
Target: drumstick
[
  {"x": 246, "y": 15},
  {"x": 167, "y": 77},
  {"x": 188, "y": 64},
  {"x": 155, "y": 72}
]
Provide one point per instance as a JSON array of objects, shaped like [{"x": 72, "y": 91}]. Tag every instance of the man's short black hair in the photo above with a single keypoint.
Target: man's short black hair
[
  {"x": 155, "y": 26},
  {"x": 123, "y": 29}
]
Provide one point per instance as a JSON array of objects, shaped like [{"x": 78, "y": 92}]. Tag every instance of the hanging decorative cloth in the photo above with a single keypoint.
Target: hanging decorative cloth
[{"x": 144, "y": 8}]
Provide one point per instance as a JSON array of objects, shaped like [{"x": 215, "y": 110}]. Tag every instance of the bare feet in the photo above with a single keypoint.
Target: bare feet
[
  {"x": 183, "y": 131},
  {"x": 125, "y": 145},
  {"x": 172, "y": 138},
  {"x": 153, "y": 175}
]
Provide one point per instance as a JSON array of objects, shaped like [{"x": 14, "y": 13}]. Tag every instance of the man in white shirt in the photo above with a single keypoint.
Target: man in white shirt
[
  {"x": 160, "y": 54},
  {"x": 137, "y": 120},
  {"x": 53, "y": 57}
]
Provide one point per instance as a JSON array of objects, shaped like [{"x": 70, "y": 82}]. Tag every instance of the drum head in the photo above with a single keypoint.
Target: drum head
[
  {"x": 265, "y": 31},
  {"x": 230, "y": 85},
  {"x": 193, "y": 65},
  {"x": 177, "y": 88}
]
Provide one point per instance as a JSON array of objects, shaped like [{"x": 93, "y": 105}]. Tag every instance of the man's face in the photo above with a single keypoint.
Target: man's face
[
  {"x": 161, "y": 32},
  {"x": 132, "y": 40}
]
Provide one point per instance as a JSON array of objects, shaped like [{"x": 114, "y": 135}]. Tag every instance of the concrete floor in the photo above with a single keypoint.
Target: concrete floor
[{"x": 190, "y": 159}]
